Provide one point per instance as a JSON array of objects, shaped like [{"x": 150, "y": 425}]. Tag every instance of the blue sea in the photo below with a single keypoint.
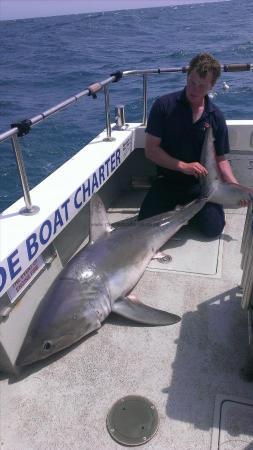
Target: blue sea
[{"x": 47, "y": 60}]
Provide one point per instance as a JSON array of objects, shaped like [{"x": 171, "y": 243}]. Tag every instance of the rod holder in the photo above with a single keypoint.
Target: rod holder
[{"x": 120, "y": 116}]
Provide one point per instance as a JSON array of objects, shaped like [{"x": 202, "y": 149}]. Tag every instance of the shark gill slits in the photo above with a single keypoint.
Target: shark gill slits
[{"x": 99, "y": 314}]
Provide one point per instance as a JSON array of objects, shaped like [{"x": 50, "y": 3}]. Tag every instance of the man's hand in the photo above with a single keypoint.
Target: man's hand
[
  {"x": 195, "y": 168},
  {"x": 156, "y": 154}
]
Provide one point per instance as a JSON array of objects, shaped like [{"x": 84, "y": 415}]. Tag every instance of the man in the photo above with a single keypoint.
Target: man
[{"x": 175, "y": 135}]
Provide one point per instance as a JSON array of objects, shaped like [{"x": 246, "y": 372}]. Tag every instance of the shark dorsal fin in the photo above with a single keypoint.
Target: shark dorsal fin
[{"x": 99, "y": 224}]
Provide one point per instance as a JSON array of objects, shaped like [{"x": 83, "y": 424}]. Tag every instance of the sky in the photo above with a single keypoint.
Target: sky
[{"x": 21, "y": 9}]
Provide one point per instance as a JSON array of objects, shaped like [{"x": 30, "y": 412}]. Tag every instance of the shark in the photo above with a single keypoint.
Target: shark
[
  {"x": 97, "y": 280},
  {"x": 100, "y": 277}
]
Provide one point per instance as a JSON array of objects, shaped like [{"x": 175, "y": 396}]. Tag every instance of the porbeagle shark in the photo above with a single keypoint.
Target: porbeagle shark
[{"x": 97, "y": 280}]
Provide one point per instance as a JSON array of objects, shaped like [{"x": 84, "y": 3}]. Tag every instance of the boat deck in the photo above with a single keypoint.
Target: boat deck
[{"x": 190, "y": 370}]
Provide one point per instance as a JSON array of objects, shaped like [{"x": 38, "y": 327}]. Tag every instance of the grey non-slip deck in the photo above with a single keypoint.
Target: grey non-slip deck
[{"x": 62, "y": 403}]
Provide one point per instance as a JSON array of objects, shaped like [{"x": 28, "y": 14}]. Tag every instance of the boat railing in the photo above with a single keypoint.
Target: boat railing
[{"x": 22, "y": 128}]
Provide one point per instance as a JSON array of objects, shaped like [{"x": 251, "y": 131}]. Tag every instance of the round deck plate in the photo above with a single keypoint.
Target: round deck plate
[{"x": 132, "y": 420}]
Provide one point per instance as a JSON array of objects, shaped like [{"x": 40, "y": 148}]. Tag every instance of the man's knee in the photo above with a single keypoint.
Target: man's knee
[
  {"x": 211, "y": 220},
  {"x": 213, "y": 229}
]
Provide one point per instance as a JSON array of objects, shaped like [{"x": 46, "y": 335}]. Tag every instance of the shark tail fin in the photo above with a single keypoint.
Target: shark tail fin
[
  {"x": 99, "y": 224},
  {"x": 142, "y": 313},
  {"x": 209, "y": 182}
]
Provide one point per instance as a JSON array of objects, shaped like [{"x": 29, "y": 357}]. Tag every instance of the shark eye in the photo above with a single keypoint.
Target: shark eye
[{"x": 46, "y": 346}]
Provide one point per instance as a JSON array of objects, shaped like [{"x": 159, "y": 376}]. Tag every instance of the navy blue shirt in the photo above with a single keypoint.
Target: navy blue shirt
[{"x": 170, "y": 119}]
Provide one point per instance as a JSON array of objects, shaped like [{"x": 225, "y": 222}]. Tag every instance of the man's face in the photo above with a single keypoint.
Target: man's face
[{"x": 197, "y": 87}]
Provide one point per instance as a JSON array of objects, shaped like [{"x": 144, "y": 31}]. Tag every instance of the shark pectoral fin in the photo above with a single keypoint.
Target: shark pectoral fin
[{"x": 143, "y": 313}]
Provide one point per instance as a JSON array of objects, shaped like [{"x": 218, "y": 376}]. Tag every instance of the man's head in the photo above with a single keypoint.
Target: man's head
[
  {"x": 202, "y": 74},
  {"x": 205, "y": 64}
]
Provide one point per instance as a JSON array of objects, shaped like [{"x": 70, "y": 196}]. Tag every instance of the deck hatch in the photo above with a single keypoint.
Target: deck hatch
[
  {"x": 132, "y": 420},
  {"x": 232, "y": 426},
  {"x": 192, "y": 254}
]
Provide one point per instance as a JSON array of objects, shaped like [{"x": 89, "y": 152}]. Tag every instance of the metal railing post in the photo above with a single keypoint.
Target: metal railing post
[
  {"x": 145, "y": 99},
  {"x": 29, "y": 209},
  {"x": 107, "y": 115}
]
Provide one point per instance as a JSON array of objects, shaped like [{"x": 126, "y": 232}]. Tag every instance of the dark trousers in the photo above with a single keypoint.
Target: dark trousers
[{"x": 165, "y": 196}]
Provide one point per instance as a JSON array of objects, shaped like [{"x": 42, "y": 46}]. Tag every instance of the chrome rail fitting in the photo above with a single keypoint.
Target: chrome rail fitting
[
  {"x": 29, "y": 209},
  {"x": 145, "y": 100},
  {"x": 108, "y": 137}
]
